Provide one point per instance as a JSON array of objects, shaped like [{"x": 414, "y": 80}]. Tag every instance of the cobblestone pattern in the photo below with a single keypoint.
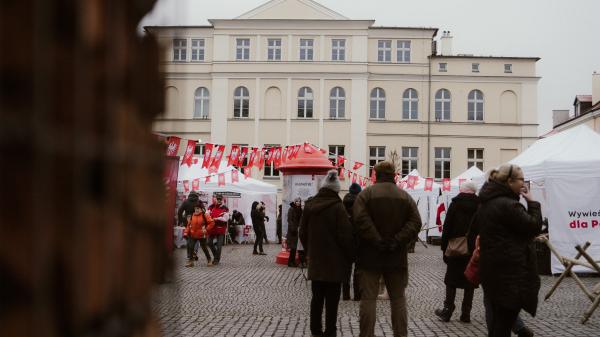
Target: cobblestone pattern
[{"x": 250, "y": 295}]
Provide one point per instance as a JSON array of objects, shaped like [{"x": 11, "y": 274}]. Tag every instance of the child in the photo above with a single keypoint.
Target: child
[{"x": 196, "y": 230}]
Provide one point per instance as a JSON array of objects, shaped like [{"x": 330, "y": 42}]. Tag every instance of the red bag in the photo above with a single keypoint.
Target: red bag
[{"x": 472, "y": 270}]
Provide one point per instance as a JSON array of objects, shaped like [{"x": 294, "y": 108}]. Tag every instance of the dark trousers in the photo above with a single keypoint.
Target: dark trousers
[
  {"x": 215, "y": 243},
  {"x": 191, "y": 244},
  {"x": 292, "y": 258},
  {"x": 258, "y": 241},
  {"x": 467, "y": 302},
  {"x": 487, "y": 303},
  {"x": 328, "y": 294}
]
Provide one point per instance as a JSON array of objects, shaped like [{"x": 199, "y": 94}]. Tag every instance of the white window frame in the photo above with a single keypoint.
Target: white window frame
[
  {"x": 508, "y": 68},
  {"x": 274, "y": 49},
  {"x": 307, "y": 49},
  {"x": 441, "y": 159},
  {"x": 242, "y": 49},
  {"x": 179, "y": 50},
  {"x": 410, "y": 100},
  {"x": 201, "y": 103},
  {"x": 403, "y": 51},
  {"x": 475, "y": 67},
  {"x": 243, "y": 97},
  {"x": 378, "y": 102},
  {"x": 475, "y": 158},
  {"x": 474, "y": 114},
  {"x": 337, "y": 103},
  {"x": 198, "y": 51},
  {"x": 376, "y": 155},
  {"x": 443, "y": 67},
  {"x": 338, "y": 49},
  {"x": 334, "y": 152},
  {"x": 269, "y": 171},
  {"x": 199, "y": 149},
  {"x": 443, "y": 100},
  {"x": 409, "y": 159},
  {"x": 306, "y": 96},
  {"x": 384, "y": 51}
]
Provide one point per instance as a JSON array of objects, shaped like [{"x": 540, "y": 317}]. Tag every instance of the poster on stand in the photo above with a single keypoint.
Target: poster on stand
[{"x": 294, "y": 186}]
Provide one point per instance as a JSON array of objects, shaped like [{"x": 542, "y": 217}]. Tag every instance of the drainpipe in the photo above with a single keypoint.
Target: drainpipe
[{"x": 429, "y": 122}]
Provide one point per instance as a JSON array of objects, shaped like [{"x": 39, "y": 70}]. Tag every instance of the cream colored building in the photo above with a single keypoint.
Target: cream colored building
[{"x": 291, "y": 71}]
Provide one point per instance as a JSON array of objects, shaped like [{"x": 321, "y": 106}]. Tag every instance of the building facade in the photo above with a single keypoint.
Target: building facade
[
  {"x": 586, "y": 110},
  {"x": 292, "y": 71}
]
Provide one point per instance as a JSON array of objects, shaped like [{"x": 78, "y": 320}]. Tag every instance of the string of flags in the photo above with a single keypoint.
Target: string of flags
[{"x": 246, "y": 158}]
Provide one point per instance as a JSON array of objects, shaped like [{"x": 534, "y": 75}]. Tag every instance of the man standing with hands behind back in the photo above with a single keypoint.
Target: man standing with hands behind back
[{"x": 386, "y": 219}]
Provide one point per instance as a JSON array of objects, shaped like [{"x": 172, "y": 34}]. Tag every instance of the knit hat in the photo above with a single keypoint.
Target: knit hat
[
  {"x": 331, "y": 181},
  {"x": 354, "y": 188},
  {"x": 385, "y": 167}
]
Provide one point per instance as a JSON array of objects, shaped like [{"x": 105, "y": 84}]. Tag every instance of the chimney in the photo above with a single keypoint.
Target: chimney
[
  {"x": 595, "y": 87},
  {"x": 446, "y": 43},
  {"x": 559, "y": 116}
]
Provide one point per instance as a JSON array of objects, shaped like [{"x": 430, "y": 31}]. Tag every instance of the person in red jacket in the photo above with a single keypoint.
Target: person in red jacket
[
  {"x": 197, "y": 229},
  {"x": 220, "y": 213}
]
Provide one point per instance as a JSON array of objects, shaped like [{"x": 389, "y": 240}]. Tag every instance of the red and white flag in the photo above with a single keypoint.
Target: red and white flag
[
  {"x": 342, "y": 173},
  {"x": 277, "y": 157},
  {"x": 446, "y": 184},
  {"x": 296, "y": 151},
  {"x": 252, "y": 157},
  {"x": 269, "y": 156},
  {"x": 411, "y": 182},
  {"x": 189, "y": 153},
  {"x": 208, "y": 149},
  {"x": 260, "y": 159},
  {"x": 428, "y": 184},
  {"x": 243, "y": 154},
  {"x": 172, "y": 146},
  {"x": 308, "y": 148},
  {"x": 357, "y": 165},
  {"x": 440, "y": 216},
  {"x": 247, "y": 172},
  {"x": 195, "y": 184},
  {"x": 207, "y": 179},
  {"x": 221, "y": 179},
  {"x": 234, "y": 176},
  {"x": 233, "y": 155},
  {"x": 354, "y": 178},
  {"x": 216, "y": 162},
  {"x": 340, "y": 160},
  {"x": 186, "y": 186}
]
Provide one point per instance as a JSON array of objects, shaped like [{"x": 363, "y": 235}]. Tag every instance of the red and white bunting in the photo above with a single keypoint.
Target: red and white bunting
[
  {"x": 243, "y": 155},
  {"x": 308, "y": 148},
  {"x": 186, "y": 186},
  {"x": 247, "y": 172},
  {"x": 342, "y": 173},
  {"x": 269, "y": 157},
  {"x": 340, "y": 160},
  {"x": 173, "y": 146},
  {"x": 252, "y": 158},
  {"x": 260, "y": 159},
  {"x": 357, "y": 165},
  {"x": 277, "y": 157},
  {"x": 221, "y": 179},
  {"x": 428, "y": 184},
  {"x": 411, "y": 182},
  {"x": 233, "y": 155},
  {"x": 234, "y": 176},
  {"x": 189, "y": 153},
  {"x": 353, "y": 178},
  {"x": 216, "y": 162},
  {"x": 296, "y": 151},
  {"x": 207, "y": 180},
  {"x": 208, "y": 149},
  {"x": 195, "y": 184},
  {"x": 446, "y": 184}
]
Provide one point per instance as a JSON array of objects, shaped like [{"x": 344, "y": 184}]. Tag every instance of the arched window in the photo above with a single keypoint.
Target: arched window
[
  {"x": 201, "y": 101},
  {"x": 442, "y": 105},
  {"x": 410, "y": 104},
  {"x": 337, "y": 103},
  {"x": 241, "y": 103},
  {"x": 377, "y": 110},
  {"x": 475, "y": 106},
  {"x": 305, "y": 103}
]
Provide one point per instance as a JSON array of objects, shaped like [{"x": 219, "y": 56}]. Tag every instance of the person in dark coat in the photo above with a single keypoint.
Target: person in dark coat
[
  {"x": 279, "y": 225},
  {"x": 326, "y": 234},
  {"x": 293, "y": 218},
  {"x": 386, "y": 219},
  {"x": 348, "y": 202},
  {"x": 507, "y": 265},
  {"x": 456, "y": 225},
  {"x": 187, "y": 208},
  {"x": 258, "y": 225}
]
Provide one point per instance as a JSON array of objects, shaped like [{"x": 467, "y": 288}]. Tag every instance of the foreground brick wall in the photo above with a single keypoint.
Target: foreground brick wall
[{"x": 82, "y": 218}]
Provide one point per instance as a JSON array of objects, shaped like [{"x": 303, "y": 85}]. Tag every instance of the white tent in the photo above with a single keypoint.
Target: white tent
[
  {"x": 564, "y": 171},
  {"x": 426, "y": 202},
  {"x": 472, "y": 174},
  {"x": 238, "y": 196}
]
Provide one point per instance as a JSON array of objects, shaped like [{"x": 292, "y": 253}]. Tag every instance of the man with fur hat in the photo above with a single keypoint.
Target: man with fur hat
[
  {"x": 386, "y": 219},
  {"x": 326, "y": 234}
]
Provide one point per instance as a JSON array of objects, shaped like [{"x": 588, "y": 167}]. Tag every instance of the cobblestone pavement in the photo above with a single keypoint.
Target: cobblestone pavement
[{"x": 250, "y": 295}]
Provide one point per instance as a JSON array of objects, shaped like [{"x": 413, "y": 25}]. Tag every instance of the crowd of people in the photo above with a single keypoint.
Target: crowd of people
[{"x": 365, "y": 238}]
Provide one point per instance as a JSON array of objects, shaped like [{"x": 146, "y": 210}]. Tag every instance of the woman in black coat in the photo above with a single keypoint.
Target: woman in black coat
[
  {"x": 507, "y": 265},
  {"x": 258, "y": 225},
  {"x": 293, "y": 219},
  {"x": 456, "y": 225}
]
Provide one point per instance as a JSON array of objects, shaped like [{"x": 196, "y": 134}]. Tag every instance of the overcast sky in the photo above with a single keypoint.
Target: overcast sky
[{"x": 565, "y": 34}]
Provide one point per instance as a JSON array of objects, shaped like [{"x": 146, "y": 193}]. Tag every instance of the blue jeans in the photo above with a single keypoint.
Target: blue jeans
[
  {"x": 216, "y": 248},
  {"x": 517, "y": 325}
]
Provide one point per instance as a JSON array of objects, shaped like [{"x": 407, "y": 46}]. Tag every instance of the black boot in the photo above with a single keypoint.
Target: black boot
[
  {"x": 465, "y": 317},
  {"x": 525, "y": 332},
  {"x": 444, "y": 314}
]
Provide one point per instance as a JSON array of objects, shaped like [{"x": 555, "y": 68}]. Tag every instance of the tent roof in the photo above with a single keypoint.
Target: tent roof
[
  {"x": 472, "y": 172},
  {"x": 247, "y": 185},
  {"x": 420, "y": 182},
  {"x": 575, "y": 151}
]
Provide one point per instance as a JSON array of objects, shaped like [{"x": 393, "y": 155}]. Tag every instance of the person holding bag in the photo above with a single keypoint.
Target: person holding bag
[
  {"x": 456, "y": 253},
  {"x": 197, "y": 230}
]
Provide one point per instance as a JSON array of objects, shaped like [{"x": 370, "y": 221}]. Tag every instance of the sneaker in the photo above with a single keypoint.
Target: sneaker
[
  {"x": 525, "y": 332},
  {"x": 443, "y": 314},
  {"x": 465, "y": 318}
]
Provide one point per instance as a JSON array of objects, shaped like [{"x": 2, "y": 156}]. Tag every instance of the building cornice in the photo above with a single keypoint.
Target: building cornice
[
  {"x": 478, "y": 57},
  {"x": 290, "y": 24}
]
